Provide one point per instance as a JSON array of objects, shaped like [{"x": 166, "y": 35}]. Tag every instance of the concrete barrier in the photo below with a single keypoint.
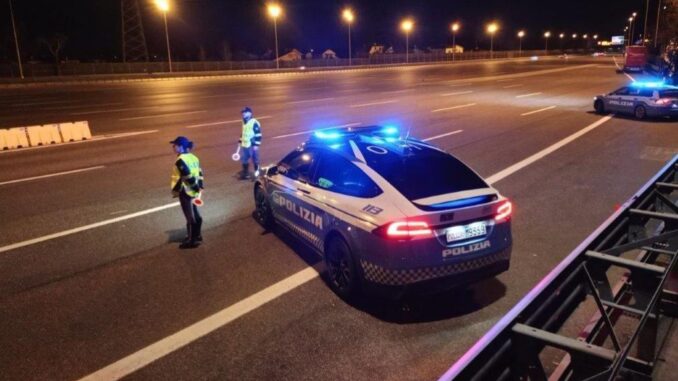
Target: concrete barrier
[
  {"x": 43, "y": 135},
  {"x": 3, "y": 140},
  {"x": 71, "y": 132},
  {"x": 16, "y": 138}
]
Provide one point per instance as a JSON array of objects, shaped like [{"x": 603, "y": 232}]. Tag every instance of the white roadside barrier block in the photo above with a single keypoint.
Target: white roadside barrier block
[
  {"x": 34, "y": 135},
  {"x": 50, "y": 133},
  {"x": 17, "y": 138},
  {"x": 71, "y": 132},
  {"x": 3, "y": 140}
]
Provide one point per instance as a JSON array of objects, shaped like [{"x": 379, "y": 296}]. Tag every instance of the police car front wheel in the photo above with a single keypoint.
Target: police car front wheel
[
  {"x": 263, "y": 211},
  {"x": 342, "y": 272},
  {"x": 639, "y": 112},
  {"x": 599, "y": 106}
]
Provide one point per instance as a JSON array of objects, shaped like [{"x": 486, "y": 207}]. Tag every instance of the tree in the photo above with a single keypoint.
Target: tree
[
  {"x": 668, "y": 29},
  {"x": 55, "y": 44}
]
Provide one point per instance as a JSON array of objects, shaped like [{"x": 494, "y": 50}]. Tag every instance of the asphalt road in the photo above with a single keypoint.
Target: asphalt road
[{"x": 74, "y": 303}]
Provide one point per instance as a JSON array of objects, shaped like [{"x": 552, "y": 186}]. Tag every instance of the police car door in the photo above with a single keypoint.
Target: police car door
[
  {"x": 290, "y": 200},
  {"x": 616, "y": 100}
]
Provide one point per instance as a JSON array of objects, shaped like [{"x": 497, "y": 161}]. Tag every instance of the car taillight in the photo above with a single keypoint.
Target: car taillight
[
  {"x": 404, "y": 229},
  {"x": 504, "y": 211},
  {"x": 663, "y": 101}
]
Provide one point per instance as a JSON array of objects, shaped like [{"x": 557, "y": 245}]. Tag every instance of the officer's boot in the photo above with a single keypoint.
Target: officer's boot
[
  {"x": 190, "y": 243},
  {"x": 198, "y": 231},
  {"x": 244, "y": 174}
]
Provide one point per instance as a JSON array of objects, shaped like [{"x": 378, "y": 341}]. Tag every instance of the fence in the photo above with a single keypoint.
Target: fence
[{"x": 112, "y": 68}]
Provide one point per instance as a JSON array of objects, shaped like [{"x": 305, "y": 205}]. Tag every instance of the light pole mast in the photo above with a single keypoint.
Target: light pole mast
[{"x": 16, "y": 41}]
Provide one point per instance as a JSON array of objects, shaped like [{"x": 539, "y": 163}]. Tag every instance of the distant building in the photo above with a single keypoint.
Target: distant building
[
  {"x": 454, "y": 49},
  {"x": 293, "y": 55},
  {"x": 376, "y": 49},
  {"x": 329, "y": 54}
]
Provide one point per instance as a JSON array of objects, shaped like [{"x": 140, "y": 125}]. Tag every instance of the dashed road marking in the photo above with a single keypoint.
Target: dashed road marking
[
  {"x": 527, "y": 95},
  {"x": 536, "y": 111},
  {"x": 374, "y": 103},
  {"x": 454, "y": 107},
  {"x": 441, "y": 136}
]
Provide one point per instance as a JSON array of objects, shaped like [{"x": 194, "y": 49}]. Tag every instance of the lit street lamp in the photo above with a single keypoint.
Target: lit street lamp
[
  {"x": 164, "y": 7},
  {"x": 546, "y": 37},
  {"x": 455, "y": 29},
  {"x": 492, "y": 29},
  {"x": 274, "y": 10},
  {"x": 407, "y": 26},
  {"x": 521, "y": 34},
  {"x": 348, "y": 17}
]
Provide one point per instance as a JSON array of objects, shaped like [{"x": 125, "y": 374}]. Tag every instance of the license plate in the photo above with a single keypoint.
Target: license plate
[{"x": 458, "y": 233}]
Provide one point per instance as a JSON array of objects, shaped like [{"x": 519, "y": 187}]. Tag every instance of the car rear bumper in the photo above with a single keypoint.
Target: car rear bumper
[
  {"x": 454, "y": 274},
  {"x": 662, "y": 111}
]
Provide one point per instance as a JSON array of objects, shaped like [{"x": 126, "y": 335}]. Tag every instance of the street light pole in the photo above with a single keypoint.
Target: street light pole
[
  {"x": 546, "y": 37},
  {"x": 274, "y": 10},
  {"x": 16, "y": 41},
  {"x": 348, "y": 16},
  {"x": 169, "y": 53},
  {"x": 492, "y": 28},
  {"x": 633, "y": 25},
  {"x": 455, "y": 28},
  {"x": 656, "y": 31},
  {"x": 407, "y": 26},
  {"x": 647, "y": 9},
  {"x": 521, "y": 34}
]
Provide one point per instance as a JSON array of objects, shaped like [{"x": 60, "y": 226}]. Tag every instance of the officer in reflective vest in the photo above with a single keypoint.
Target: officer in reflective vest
[
  {"x": 250, "y": 141},
  {"x": 187, "y": 184}
]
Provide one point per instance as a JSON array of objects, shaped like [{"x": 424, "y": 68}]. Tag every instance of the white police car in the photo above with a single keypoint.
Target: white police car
[
  {"x": 387, "y": 212},
  {"x": 640, "y": 99}
]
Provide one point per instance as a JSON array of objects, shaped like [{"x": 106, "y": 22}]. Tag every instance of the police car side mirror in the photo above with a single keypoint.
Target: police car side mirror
[{"x": 272, "y": 171}]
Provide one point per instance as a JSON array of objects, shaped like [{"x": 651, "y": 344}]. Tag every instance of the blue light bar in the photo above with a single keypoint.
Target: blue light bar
[
  {"x": 463, "y": 202},
  {"x": 327, "y": 135},
  {"x": 648, "y": 84},
  {"x": 390, "y": 130}
]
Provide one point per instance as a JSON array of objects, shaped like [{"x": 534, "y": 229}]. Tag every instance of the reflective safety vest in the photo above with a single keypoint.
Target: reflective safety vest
[
  {"x": 193, "y": 165},
  {"x": 248, "y": 133}
]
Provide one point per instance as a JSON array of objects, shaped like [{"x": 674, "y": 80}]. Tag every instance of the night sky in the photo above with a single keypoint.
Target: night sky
[{"x": 94, "y": 31}]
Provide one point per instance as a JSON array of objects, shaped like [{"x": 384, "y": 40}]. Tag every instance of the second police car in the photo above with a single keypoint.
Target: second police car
[
  {"x": 640, "y": 99},
  {"x": 387, "y": 212}
]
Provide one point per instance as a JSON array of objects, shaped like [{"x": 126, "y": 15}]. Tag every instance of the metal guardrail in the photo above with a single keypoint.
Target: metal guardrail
[
  {"x": 641, "y": 238},
  {"x": 112, "y": 68}
]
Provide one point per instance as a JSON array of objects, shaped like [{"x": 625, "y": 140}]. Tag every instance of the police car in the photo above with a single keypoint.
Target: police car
[
  {"x": 388, "y": 212},
  {"x": 640, "y": 99}
]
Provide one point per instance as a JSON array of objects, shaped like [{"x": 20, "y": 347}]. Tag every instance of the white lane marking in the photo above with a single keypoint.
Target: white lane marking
[
  {"x": 164, "y": 115},
  {"x": 311, "y": 131},
  {"x": 512, "y": 86},
  {"x": 441, "y": 136},
  {"x": 536, "y": 111},
  {"x": 117, "y": 212},
  {"x": 546, "y": 151},
  {"x": 459, "y": 84},
  {"x": 52, "y": 175},
  {"x": 65, "y": 233},
  {"x": 454, "y": 107},
  {"x": 225, "y": 122},
  {"x": 41, "y": 103},
  {"x": 94, "y": 139},
  {"x": 527, "y": 95},
  {"x": 629, "y": 76},
  {"x": 506, "y": 80},
  {"x": 112, "y": 110},
  {"x": 311, "y": 100},
  {"x": 82, "y": 106},
  {"x": 373, "y": 103},
  {"x": 456, "y": 93},
  {"x": 180, "y": 339},
  {"x": 397, "y": 91}
]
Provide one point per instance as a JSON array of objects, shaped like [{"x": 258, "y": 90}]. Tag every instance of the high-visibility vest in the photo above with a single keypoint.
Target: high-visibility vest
[
  {"x": 193, "y": 165},
  {"x": 248, "y": 133}
]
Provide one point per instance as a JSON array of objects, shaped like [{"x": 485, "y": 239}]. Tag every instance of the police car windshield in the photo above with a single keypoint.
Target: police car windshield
[{"x": 420, "y": 172}]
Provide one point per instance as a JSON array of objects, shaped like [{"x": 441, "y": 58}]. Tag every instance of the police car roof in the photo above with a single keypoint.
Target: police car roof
[
  {"x": 387, "y": 137},
  {"x": 653, "y": 85}
]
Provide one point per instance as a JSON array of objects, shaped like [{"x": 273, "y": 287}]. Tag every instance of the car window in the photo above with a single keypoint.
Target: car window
[
  {"x": 422, "y": 173},
  {"x": 298, "y": 165},
  {"x": 337, "y": 174},
  {"x": 640, "y": 92},
  {"x": 622, "y": 91}
]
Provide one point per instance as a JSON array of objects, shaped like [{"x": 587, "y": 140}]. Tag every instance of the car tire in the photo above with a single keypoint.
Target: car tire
[
  {"x": 599, "y": 106},
  {"x": 263, "y": 212},
  {"x": 342, "y": 272},
  {"x": 639, "y": 112}
]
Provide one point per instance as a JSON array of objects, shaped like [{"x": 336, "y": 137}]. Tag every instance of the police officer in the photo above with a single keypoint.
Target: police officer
[
  {"x": 187, "y": 183},
  {"x": 250, "y": 141}
]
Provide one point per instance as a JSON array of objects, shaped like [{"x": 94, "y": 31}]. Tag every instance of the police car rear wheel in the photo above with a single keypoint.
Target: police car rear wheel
[
  {"x": 341, "y": 270},
  {"x": 639, "y": 112},
  {"x": 263, "y": 209},
  {"x": 599, "y": 106}
]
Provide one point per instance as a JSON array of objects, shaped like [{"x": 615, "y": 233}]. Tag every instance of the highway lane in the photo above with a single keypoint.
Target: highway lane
[{"x": 95, "y": 297}]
